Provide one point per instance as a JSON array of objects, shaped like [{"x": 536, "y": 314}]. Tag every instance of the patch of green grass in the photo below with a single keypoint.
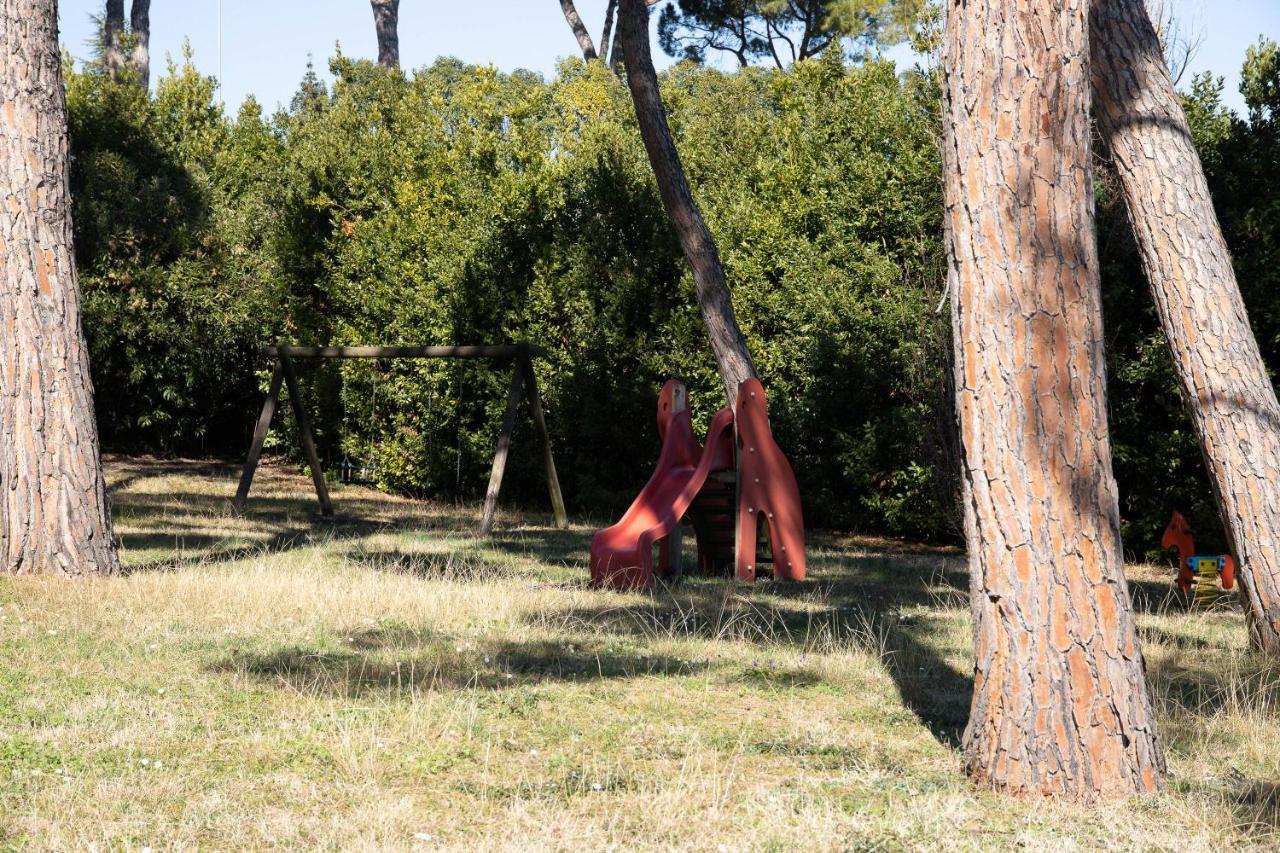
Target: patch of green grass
[{"x": 388, "y": 678}]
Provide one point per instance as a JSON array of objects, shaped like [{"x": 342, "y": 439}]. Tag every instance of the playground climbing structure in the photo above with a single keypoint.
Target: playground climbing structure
[{"x": 737, "y": 490}]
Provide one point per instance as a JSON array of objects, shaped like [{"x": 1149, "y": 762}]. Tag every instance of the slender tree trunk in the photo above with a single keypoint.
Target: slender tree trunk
[
  {"x": 140, "y": 24},
  {"x": 1060, "y": 705},
  {"x": 386, "y": 20},
  {"x": 616, "y": 53},
  {"x": 1224, "y": 380},
  {"x": 579, "y": 29},
  {"x": 733, "y": 360},
  {"x": 112, "y": 39},
  {"x": 53, "y": 505},
  {"x": 605, "y": 36}
]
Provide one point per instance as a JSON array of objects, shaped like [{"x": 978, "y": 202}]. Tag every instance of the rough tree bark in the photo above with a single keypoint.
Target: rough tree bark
[
  {"x": 386, "y": 20},
  {"x": 733, "y": 360},
  {"x": 616, "y": 53},
  {"x": 607, "y": 34},
  {"x": 53, "y": 504},
  {"x": 1224, "y": 380},
  {"x": 579, "y": 29},
  {"x": 140, "y": 25},
  {"x": 1060, "y": 705},
  {"x": 113, "y": 39}
]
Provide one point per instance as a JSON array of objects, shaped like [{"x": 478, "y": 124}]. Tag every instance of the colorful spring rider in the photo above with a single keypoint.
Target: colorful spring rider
[
  {"x": 1203, "y": 572},
  {"x": 738, "y": 490}
]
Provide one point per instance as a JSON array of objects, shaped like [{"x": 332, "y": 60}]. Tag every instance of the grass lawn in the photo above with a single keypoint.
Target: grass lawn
[{"x": 388, "y": 680}]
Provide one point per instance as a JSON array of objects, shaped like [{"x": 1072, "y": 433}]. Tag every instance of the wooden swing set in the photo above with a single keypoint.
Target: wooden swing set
[{"x": 522, "y": 382}]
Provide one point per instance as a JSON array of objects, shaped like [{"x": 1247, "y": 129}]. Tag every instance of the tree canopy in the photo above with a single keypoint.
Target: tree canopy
[{"x": 784, "y": 31}]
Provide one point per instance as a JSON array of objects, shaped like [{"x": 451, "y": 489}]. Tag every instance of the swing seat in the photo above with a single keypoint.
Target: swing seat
[{"x": 357, "y": 473}]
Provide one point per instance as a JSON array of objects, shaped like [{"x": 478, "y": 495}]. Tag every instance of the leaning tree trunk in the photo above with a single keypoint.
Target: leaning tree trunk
[
  {"x": 585, "y": 44},
  {"x": 386, "y": 19},
  {"x": 53, "y": 504},
  {"x": 733, "y": 360},
  {"x": 113, "y": 38},
  {"x": 1224, "y": 380},
  {"x": 140, "y": 25},
  {"x": 1060, "y": 705}
]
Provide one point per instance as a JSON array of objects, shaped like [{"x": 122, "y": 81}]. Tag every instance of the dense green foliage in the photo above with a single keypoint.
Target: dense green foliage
[
  {"x": 460, "y": 205},
  {"x": 167, "y": 204}
]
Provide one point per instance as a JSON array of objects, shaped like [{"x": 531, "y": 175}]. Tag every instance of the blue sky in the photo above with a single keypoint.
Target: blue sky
[{"x": 265, "y": 43}]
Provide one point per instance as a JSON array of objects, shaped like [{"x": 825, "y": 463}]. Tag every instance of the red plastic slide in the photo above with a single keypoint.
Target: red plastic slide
[
  {"x": 740, "y": 450},
  {"x": 622, "y": 555}
]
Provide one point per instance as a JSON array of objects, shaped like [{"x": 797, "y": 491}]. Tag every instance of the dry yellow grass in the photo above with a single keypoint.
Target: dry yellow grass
[{"x": 390, "y": 681}]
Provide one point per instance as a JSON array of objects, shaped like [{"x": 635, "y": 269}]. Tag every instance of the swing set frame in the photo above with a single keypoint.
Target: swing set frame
[{"x": 522, "y": 383}]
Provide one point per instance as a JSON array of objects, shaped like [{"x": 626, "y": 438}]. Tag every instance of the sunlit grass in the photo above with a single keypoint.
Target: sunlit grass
[{"x": 389, "y": 680}]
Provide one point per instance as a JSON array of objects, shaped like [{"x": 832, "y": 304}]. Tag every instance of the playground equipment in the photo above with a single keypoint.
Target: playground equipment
[
  {"x": 522, "y": 382},
  {"x": 1201, "y": 571},
  {"x": 738, "y": 490},
  {"x": 363, "y": 471}
]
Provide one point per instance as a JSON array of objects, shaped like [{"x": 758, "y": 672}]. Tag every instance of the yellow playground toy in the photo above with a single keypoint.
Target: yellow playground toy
[{"x": 1203, "y": 572}]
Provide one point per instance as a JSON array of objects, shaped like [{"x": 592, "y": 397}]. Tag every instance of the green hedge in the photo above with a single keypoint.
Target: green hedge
[{"x": 461, "y": 205}]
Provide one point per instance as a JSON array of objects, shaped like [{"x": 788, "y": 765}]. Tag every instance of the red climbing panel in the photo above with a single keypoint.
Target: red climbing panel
[
  {"x": 767, "y": 492},
  {"x": 700, "y": 482}
]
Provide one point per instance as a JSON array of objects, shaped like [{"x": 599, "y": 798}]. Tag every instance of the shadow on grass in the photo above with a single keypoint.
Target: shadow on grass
[
  {"x": 1207, "y": 683},
  {"x": 893, "y": 604},
  {"x": 1155, "y": 635},
  {"x": 1257, "y": 811},
  {"x": 212, "y": 550},
  {"x": 462, "y": 564},
  {"x": 516, "y": 553},
  {"x": 187, "y": 523},
  {"x": 191, "y": 522},
  {"x": 126, "y": 472},
  {"x": 404, "y": 661},
  {"x": 859, "y": 605},
  {"x": 550, "y": 545}
]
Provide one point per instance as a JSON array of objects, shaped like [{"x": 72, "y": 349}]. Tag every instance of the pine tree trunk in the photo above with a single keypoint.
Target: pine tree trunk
[
  {"x": 53, "y": 506},
  {"x": 1060, "y": 705},
  {"x": 1224, "y": 380},
  {"x": 386, "y": 19},
  {"x": 733, "y": 360},
  {"x": 606, "y": 36},
  {"x": 140, "y": 24},
  {"x": 617, "y": 55},
  {"x": 580, "y": 33},
  {"x": 112, "y": 39}
]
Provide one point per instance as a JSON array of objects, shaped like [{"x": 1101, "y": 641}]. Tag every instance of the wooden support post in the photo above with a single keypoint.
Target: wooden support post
[
  {"x": 496, "y": 352},
  {"x": 522, "y": 381},
  {"x": 500, "y": 456},
  {"x": 540, "y": 424},
  {"x": 671, "y": 555},
  {"x": 308, "y": 443},
  {"x": 259, "y": 436}
]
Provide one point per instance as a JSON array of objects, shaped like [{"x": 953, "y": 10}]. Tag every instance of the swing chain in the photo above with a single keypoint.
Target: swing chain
[{"x": 366, "y": 471}]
